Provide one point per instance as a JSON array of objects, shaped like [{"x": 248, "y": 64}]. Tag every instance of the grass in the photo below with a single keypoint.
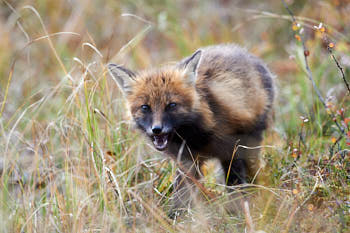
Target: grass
[{"x": 69, "y": 161}]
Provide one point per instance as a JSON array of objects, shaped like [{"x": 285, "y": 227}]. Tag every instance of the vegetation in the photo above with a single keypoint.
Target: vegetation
[{"x": 70, "y": 162}]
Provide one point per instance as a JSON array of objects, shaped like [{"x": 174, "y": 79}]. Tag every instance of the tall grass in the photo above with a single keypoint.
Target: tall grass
[{"x": 70, "y": 162}]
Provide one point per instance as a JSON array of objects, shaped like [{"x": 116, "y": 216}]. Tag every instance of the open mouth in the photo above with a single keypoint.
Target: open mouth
[{"x": 160, "y": 141}]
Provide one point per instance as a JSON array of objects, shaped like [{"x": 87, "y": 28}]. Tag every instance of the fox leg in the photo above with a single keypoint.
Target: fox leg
[
  {"x": 184, "y": 187},
  {"x": 246, "y": 162},
  {"x": 243, "y": 169},
  {"x": 235, "y": 172}
]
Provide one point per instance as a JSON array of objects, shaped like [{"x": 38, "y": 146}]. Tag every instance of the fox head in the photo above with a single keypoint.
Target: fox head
[{"x": 162, "y": 100}]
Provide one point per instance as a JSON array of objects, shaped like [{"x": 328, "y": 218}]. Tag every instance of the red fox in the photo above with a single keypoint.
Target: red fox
[{"x": 202, "y": 108}]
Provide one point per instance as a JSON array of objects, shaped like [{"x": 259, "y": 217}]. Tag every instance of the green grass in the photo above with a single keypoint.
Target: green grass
[{"x": 70, "y": 162}]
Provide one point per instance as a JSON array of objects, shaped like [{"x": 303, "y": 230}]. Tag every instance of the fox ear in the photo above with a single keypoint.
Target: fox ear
[
  {"x": 190, "y": 65},
  {"x": 122, "y": 76}
]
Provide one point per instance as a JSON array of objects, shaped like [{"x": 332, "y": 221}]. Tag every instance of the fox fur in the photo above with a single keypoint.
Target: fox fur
[{"x": 215, "y": 103}]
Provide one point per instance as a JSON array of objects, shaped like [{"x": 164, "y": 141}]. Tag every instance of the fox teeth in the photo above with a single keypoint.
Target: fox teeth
[{"x": 160, "y": 142}]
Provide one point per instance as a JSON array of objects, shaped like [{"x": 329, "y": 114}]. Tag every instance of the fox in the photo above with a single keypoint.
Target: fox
[{"x": 213, "y": 104}]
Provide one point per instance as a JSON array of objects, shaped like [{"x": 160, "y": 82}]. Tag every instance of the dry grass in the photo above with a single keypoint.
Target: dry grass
[{"x": 70, "y": 163}]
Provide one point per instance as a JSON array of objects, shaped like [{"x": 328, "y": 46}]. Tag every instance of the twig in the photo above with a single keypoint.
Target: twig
[
  {"x": 340, "y": 68},
  {"x": 156, "y": 213},
  {"x": 331, "y": 150},
  {"x": 229, "y": 168},
  {"x": 205, "y": 191},
  {"x": 308, "y": 70},
  {"x": 290, "y": 219},
  {"x": 325, "y": 38},
  {"x": 309, "y": 73},
  {"x": 297, "y": 207},
  {"x": 113, "y": 180},
  {"x": 289, "y": 11},
  {"x": 248, "y": 217}
]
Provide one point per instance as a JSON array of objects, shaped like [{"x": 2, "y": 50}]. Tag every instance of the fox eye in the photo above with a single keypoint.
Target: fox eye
[
  {"x": 145, "y": 108},
  {"x": 171, "y": 106}
]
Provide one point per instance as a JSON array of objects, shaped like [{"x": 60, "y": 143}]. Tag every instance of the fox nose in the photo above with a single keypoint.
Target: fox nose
[{"x": 157, "y": 129}]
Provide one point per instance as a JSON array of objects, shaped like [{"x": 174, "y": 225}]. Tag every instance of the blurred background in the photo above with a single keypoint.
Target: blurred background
[{"x": 69, "y": 160}]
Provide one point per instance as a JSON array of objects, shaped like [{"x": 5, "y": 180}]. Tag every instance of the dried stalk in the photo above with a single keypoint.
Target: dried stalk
[{"x": 309, "y": 73}]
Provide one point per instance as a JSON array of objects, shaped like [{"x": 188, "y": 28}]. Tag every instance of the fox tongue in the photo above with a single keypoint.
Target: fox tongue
[{"x": 160, "y": 141}]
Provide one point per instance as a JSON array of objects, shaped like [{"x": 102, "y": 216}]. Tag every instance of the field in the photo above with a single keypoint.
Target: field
[{"x": 70, "y": 160}]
